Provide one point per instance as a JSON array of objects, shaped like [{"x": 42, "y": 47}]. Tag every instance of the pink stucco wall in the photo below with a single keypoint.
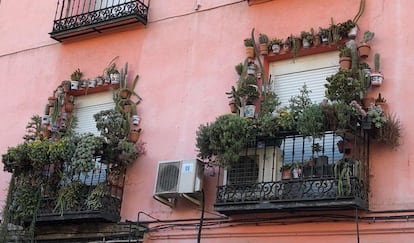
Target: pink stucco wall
[{"x": 185, "y": 59}]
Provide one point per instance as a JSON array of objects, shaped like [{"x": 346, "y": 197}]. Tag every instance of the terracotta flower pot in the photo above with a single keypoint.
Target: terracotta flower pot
[
  {"x": 233, "y": 107},
  {"x": 124, "y": 93},
  {"x": 345, "y": 63},
  {"x": 134, "y": 135},
  {"x": 250, "y": 52},
  {"x": 264, "y": 49},
  {"x": 286, "y": 174},
  {"x": 363, "y": 50},
  {"x": 69, "y": 107}
]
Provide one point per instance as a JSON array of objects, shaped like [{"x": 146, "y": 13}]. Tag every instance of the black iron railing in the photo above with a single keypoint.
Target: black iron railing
[
  {"x": 96, "y": 194},
  {"x": 80, "y": 17},
  {"x": 326, "y": 172}
]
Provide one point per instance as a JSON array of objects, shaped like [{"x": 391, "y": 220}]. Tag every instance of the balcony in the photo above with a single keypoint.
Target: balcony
[
  {"x": 83, "y": 18},
  {"x": 324, "y": 173},
  {"x": 83, "y": 197}
]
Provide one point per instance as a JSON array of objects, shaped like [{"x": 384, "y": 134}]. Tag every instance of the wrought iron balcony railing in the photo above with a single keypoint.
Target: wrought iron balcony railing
[
  {"x": 84, "y": 196},
  {"x": 76, "y": 18},
  {"x": 321, "y": 173}
]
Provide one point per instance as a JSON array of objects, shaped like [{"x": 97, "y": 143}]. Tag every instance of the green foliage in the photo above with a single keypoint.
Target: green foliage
[
  {"x": 69, "y": 196},
  {"x": 128, "y": 152},
  {"x": 377, "y": 62},
  {"x": 25, "y": 199},
  {"x": 311, "y": 122},
  {"x": 248, "y": 42},
  {"x": 33, "y": 128},
  {"x": 112, "y": 124},
  {"x": 299, "y": 103},
  {"x": 263, "y": 39},
  {"x": 94, "y": 200},
  {"x": 83, "y": 157},
  {"x": 248, "y": 88},
  {"x": 344, "y": 51},
  {"x": 239, "y": 68},
  {"x": 223, "y": 139},
  {"x": 368, "y": 36},
  {"x": 76, "y": 75},
  {"x": 342, "y": 87},
  {"x": 390, "y": 132},
  {"x": 377, "y": 116},
  {"x": 38, "y": 153}
]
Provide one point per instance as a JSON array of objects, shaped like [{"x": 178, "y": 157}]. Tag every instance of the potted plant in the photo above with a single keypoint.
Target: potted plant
[
  {"x": 287, "y": 44},
  {"x": 345, "y": 57},
  {"x": 248, "y": 91},
  {"x": 390, "y": 132},
  {"x": 376, "y": 77},
  {"x": 321, "y": 160},
  {"x": 296, "y": 170},
  {"x": 222, "y": 140},
  {"x": 249, "y": 44},
  {"x": 66, "y": 86},
  {"x": 70, "y": 104},
  {"x": 307, "y": 39},
  {"x": 343, "y": 87},
  {"x": 380, "y": 101},
  {"x": 324, "y": 34},
  {"x": 347, "y": 29},
  {"x": 75, "y": 78},
  {"x": 134, "y": 134},
  {"x": 364, "y": 48},
  {"x": 286, "y": 171},
  {"x": 316, "y": 38},
  {"x": 311, "y": 122},
  {"x": 263, "y": 44},
  {"x": 274, "y": 45},
  {"x": 376, "y": 115}
]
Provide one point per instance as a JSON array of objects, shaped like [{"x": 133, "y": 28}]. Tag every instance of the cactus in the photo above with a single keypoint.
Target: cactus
[
  {"x": 263, "y": 39},
  {"x": 367, "y": 36},
  {"x": 377, "y": 62}
]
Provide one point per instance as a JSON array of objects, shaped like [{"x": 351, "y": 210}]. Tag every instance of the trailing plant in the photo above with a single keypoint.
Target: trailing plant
[
  {"x": 83, "y": 158},
  {"x": 390, "y": 132},
  {"x": 94, "y": 200},
  {"x": 68, "y": 196},
  {"x": 128, "y": 152}
]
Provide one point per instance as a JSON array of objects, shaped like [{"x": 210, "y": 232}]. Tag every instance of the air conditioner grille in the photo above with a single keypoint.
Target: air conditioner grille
[{"x": 168, "y": 175}]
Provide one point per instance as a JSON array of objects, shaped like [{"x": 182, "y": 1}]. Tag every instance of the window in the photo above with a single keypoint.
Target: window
[
  {"x": 88, "y": 105},
  {"x": 287, "y": 78}
]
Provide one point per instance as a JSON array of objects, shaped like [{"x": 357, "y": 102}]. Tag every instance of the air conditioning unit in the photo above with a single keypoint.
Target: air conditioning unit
[{"x": 178, "y": 178}]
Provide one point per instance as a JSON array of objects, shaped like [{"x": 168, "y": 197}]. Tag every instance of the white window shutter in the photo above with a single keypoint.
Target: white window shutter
[
  {"x": 287, "y": 78},
  {"x": 87, "y": 106}
]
